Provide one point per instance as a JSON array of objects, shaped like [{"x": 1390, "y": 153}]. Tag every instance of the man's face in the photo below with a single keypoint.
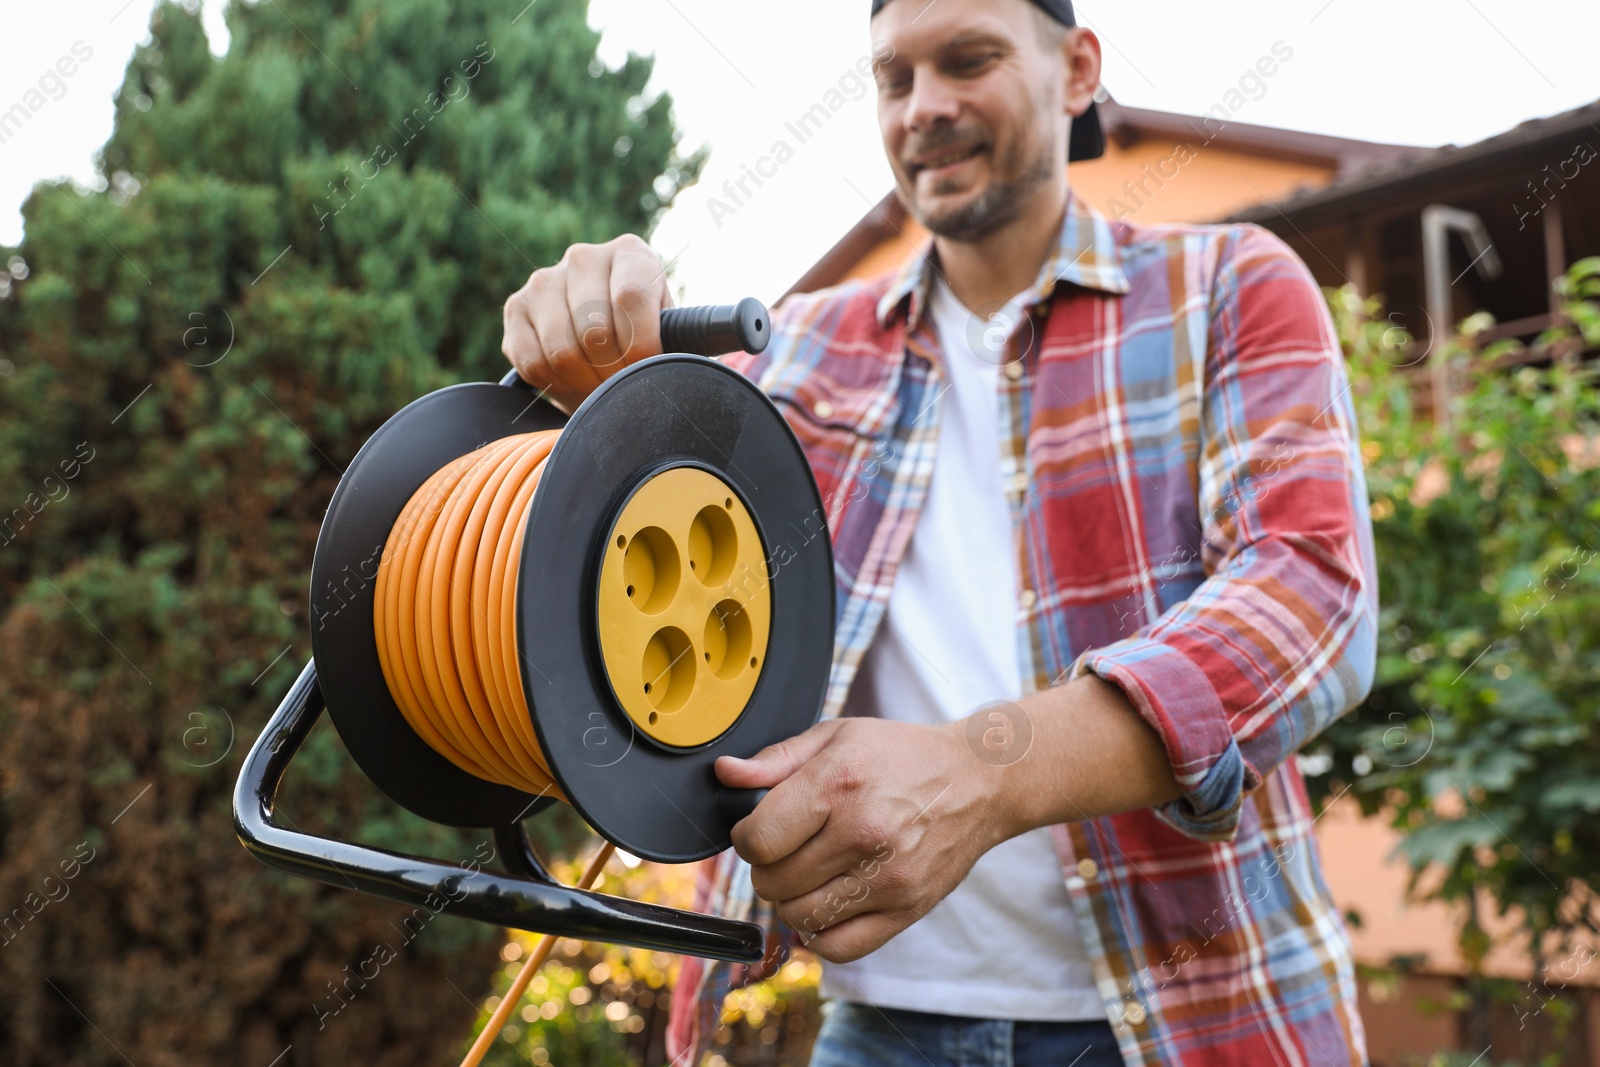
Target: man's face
[{"x": 970, "y": 97}]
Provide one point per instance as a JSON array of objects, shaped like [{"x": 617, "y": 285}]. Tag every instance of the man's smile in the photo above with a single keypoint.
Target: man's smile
[{"x": 945, "y": 161}]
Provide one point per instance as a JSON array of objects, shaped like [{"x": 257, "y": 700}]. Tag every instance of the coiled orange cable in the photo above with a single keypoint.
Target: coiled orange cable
[{"x": 445, "y": 612}]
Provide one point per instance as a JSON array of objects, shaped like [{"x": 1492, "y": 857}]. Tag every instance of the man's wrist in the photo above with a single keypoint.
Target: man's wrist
[
  {"x": 1072, "y": 752},
  {"x": 992, "y": 742}
]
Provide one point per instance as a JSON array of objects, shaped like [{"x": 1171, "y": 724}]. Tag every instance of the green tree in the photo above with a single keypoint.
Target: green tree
[
  {"x": 1478, "y": 740},
  {"x": 286, "y": 245}
]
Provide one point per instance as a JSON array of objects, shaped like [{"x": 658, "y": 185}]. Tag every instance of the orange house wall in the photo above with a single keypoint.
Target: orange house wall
[{"x": 1213, "y": 184}]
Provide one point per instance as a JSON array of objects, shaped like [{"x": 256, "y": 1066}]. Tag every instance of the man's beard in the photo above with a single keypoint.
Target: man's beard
[{"x": 997, "y": 207}]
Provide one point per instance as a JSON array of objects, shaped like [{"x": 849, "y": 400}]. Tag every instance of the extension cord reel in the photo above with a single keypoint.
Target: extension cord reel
[{"x": 651, "y": 625}]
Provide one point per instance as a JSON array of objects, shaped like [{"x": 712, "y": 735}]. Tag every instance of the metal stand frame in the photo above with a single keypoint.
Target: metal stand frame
[{"x": 526, "y": 900}]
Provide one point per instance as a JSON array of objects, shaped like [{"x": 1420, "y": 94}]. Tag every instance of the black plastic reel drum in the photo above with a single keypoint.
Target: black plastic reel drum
[{"x": 650, "y": 555}]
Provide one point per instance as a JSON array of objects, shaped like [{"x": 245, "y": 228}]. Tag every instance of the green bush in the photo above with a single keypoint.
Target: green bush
[{"x": 1478, "y": 741}]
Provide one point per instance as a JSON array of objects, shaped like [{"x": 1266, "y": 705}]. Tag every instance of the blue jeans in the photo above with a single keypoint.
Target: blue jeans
[{"x": 860, "y": 1035}]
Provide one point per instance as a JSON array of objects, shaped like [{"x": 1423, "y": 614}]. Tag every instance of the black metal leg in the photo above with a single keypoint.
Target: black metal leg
[
  {"x": 518, "y": 853},
  {"x": 528, "y": 901}
]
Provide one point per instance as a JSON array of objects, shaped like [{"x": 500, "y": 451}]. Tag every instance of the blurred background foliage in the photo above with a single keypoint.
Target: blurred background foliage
[
  {"x": 1478, "y": 741},
  {"x": 606, "y": 1006},
  {"x": 269, "y": 265}
]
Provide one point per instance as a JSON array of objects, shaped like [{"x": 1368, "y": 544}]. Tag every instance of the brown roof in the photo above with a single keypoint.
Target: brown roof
[
  {"x": 1128, "y": 126},
  {"x": 1430, "y": 168}
]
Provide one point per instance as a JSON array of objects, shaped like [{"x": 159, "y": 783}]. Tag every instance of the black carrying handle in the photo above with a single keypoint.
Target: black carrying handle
[
  {"x": 706, "y": 330},
  {"x": 712, "y": 329},
  {"x": 526, "y": 900}
]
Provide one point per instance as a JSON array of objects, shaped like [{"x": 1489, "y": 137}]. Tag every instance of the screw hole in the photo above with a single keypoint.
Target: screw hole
[
  {"x": 630, "y": 590},
  {"x": 621, "y": 540},
  {"x": 752, "y": 661},
  {"x": 647, "y": 687},
  {"x": 691, "y": 564},
  {"x": 708, "y": 657},
  {"x": 653, "y": 717},
  {"x": 728, "y": 503}
]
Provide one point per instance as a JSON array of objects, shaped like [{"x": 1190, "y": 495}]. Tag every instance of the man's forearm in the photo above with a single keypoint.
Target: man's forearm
[{"x": 1089, "y": 754}]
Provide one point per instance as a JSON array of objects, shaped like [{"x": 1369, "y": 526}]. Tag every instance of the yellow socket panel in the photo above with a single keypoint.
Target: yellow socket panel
[{"x": 684, "y": 607}]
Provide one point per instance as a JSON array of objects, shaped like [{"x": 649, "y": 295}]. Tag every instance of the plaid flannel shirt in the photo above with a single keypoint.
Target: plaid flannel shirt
[{"x": 1190, "y": 515}]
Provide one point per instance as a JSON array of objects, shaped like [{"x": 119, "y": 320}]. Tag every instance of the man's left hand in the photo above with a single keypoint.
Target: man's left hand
[{"x": 868, "y": 825}]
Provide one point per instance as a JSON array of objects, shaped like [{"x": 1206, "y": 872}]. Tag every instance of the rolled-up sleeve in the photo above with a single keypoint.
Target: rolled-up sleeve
[{"x": 1279, "y": 640}]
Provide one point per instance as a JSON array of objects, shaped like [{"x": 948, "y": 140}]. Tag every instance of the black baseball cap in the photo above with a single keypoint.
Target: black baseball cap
[{"x": 1087, "y": 140}]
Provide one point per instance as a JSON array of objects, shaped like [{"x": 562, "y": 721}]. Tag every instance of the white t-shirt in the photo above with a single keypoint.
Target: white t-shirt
[{"x": 1004, "y": 944}]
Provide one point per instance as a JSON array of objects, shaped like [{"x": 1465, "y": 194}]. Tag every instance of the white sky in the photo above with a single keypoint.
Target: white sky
[{"x": 1405, "y": 71}]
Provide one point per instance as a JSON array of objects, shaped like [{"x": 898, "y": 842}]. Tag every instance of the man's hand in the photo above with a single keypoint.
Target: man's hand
[
  {"x": 577, "y": 323},
  {"x": 869, "y": 824}
]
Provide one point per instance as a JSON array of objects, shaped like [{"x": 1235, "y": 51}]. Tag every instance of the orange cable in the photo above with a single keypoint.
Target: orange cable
[
  {"x": 530, "y": 967},
  {"x": 445, "y": 613}
]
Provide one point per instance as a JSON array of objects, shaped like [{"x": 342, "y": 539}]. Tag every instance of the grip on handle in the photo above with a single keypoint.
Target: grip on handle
[
  {"x": 712, "y": 329},
  {"x": 704, "y": 330},
  {"x": 735, "y": 804}
]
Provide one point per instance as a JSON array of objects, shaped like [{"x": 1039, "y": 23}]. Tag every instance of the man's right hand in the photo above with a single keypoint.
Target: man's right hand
[{"x": 577, "y": 323}]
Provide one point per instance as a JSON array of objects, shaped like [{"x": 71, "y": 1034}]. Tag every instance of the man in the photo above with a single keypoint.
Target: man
[{"x": 1104, "y": 565}]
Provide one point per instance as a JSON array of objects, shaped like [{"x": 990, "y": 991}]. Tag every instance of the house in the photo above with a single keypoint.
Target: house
[
  {"x": 1146, "y": 174},
  {"x": 1441, "y": 233},
  {"x": 1534, "y": 190}
]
